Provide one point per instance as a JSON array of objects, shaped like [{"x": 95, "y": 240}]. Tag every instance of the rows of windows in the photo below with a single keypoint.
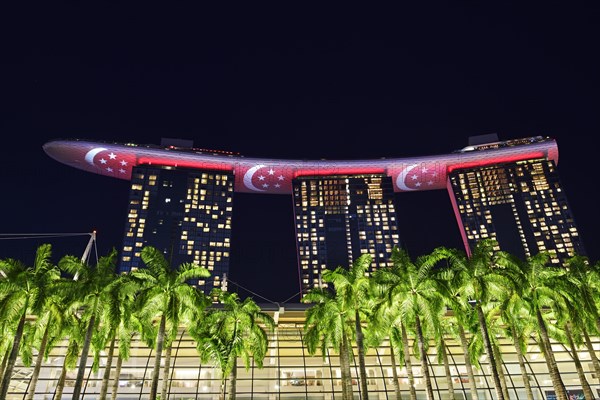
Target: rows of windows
[
  {"x": 184, "y": 213},
  {"x": 536, "y": 206},
  {"x": 343, "y": 216},
  {"x": 290, "y": 372}
]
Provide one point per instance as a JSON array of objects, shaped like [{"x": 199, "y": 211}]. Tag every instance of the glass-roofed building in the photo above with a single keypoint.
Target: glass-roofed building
[{"x": 289, "y": 372}]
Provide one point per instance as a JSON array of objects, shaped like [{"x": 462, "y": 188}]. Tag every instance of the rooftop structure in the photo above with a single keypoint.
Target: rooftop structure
[{"x": 274, "y": 176}]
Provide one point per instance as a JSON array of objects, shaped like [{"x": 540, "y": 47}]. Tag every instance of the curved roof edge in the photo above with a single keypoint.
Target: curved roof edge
[{"x": 274, "y": 176}]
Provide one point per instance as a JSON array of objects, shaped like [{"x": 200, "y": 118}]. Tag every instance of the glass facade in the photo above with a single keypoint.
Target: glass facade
[
  {"x": 184, "y": 213},
  {"x": 338, "y": 218},
  {"x": 289, "y": 372},
  {"x": 521, "y": 205}
]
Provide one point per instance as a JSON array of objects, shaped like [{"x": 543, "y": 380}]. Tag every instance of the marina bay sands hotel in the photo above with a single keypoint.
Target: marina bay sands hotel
[{"x": 181, "y": 200}]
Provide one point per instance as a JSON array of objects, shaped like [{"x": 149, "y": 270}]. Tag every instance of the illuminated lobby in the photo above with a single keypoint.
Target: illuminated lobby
[{"x": 289, "y": 372}]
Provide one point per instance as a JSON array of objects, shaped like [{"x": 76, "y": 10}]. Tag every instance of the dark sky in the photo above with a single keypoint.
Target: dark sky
[{"x": 323, "y": 82}]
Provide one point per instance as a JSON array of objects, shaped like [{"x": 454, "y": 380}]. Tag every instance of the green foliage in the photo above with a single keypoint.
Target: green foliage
[{"x": 232, "y": 329}]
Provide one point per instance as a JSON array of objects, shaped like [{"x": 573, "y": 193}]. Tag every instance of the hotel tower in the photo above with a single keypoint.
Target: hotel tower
[
  {"x": 340, "y": 217},
  {"x": 182, "y": 198},
  {"x": 184, "y": 213},
  {"x": 520, "y": 204}
]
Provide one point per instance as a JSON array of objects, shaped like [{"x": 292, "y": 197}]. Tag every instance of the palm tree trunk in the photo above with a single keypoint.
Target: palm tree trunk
[
  {"x": 14, "y": 352},
  {"x": 115, "y": 385},
  {"x": 587, "y": 390},
  {"x": 38, "y": 363},
  {"x": 592, "y": 353},
  {"x": 424, "y": 363},
  {"x": 395, "y": 373},
  {"x": 465, "y": 348},
  {"x": 84, "y": 354},
  {"x": 447, "y": 369},
  {"x": 522, "y": 367},
  {"x": 498, "y": 359},
  {"x": 4, "y": 361},
  {"x": 408, "y": 365},
  {"x": 347, "y": 392},
  {"x": 159, "y": 347},
  {"x": 106, "y": 376},
  {"x": 490, "y": 351},
  {"x": 166, "y": 380},
  {"x": 361, "y": 357},
  {"x": 60, "y": 385},
  {"x": 222, "y": 390},
  {"x": 233, "y": 380},
  {"x": 557, "y": 383}
]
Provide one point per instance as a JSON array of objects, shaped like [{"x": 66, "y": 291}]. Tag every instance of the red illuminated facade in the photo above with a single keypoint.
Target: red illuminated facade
[{"x": 274, "y": 176}]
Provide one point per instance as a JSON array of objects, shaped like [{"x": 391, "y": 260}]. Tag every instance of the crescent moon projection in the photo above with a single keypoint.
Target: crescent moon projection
[
  {"x": 89, "y": 156},
  {"x": 400, "y": 179},
  {"x": 248, "y": 178}
]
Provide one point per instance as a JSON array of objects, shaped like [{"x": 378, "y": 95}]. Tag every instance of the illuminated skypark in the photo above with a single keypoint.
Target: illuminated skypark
[
  {"x": 274, "y": 176},
  {"x": 503, "y": 190}
]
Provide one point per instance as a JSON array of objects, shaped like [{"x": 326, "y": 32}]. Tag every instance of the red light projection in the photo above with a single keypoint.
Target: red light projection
[{"x": 273, "y": 176}]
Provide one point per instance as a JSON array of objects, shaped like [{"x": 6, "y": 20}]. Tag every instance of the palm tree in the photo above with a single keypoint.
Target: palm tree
[
  {"x": 166, "y": 294},
  {"x": 518, "y": 325},
  {"x": 386, "y": 322},
  {"x": 416, "y": 293},
  {"x": 480, "y": 279},
  {"x": 352, "y": 288},
  {"x": 327, "y": 326},
  {"x": 126, "y": 333},
  {"x": 71, "y": 328},
  {"x": 442, "y": 351},
  {"x": 119, "y": 324},
  {"x": 585, "y": 278},
  {"x": 233, "y": 329},
  {"x": 8, "y": 323},
  {"x": 170, "y": 336},
  {"x": 574, "y": 340},
  {"x": 90, "y": 289},
  {"x": 572, "y": 320},
  {"x": 460, "y": 315},
  {"x": 495, "y": 329},
  {"x": 24, "y": 289},
  {"x": 5, "y": 347},
  {"x": 543, "y": 292},
  {"x": 50, "y": 326}
]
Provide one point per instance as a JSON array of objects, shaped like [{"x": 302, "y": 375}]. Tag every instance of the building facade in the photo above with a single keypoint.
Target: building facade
[
  {"x": 291, "y": 373},
  {"x": 184, "y": 213},
  {"x": 181, "y": 199},
  {"x": 520, "y": 204},
  {"x": 340, "y": 217},
  {"x": 181, "y": 202}
]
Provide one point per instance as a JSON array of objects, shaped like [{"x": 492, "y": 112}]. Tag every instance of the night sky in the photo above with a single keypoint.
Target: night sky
[{"x": 309, "y": 83}]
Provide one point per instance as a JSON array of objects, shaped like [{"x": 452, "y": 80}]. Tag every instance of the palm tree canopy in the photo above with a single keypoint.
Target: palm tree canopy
[
  {"x": 585, "y": 280},
  {"x": 91, "y": 285},
  {"x": 231, "y": 329},
  {"x": 326, "y": 321},
  {"x": 21, "y": 284},
  {"x": 351, "y": 285},
  {"x": 413, "y": 288},
  {"x": 164, "y": 290},
  {"x": 480, "y": 276}
]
